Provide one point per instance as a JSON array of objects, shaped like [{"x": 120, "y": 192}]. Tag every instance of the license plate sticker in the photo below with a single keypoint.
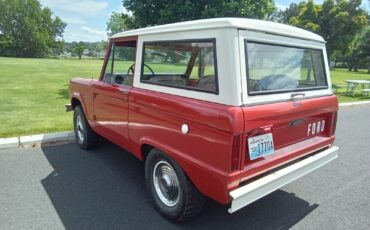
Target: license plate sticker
[{"x": 260, "y": 146}]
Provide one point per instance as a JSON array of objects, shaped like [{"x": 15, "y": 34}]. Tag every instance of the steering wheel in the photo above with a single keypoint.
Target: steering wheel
[{"x": 132, "y": 69}]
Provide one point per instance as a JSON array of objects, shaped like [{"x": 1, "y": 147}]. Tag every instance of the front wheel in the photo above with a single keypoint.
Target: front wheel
[
  {"x": 85, "y": 136},
  {"x": 174, "y": 195}
]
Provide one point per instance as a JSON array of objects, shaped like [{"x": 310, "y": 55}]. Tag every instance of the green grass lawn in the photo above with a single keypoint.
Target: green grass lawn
[
  {"x": 339, "y": 76},
  {"x": 33, "y": 92}
]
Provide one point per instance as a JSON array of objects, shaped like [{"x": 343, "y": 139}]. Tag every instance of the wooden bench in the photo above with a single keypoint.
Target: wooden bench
[
  {"x": 365, "y": 92},
  {"x": 336, "y": 87}
]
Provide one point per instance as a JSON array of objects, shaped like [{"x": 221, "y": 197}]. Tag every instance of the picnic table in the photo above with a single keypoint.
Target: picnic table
[{"x": 352, "y": 84}]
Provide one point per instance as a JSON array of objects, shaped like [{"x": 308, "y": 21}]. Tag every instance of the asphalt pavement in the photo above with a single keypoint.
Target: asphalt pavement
[{"x": 64, "y": 187}]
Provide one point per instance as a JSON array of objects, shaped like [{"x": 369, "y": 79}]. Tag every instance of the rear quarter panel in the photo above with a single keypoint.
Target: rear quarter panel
[{"x": 204, "y": 152}]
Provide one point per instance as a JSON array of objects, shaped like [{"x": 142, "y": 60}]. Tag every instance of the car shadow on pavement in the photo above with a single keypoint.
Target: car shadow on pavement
[{"x": 105, "y": 189}]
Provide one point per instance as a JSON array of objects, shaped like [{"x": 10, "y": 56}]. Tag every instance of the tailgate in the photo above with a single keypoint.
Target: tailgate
[{"x": 281, "y": 132}]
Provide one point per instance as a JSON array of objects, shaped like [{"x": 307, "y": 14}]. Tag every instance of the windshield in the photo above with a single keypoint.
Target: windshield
[{"x": 275, "y": 68}]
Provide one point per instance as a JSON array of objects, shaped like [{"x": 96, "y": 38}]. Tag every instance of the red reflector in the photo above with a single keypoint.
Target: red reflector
[{"x": 235, "y": 155}]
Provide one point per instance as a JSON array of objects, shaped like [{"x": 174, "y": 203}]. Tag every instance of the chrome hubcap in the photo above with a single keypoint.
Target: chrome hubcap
[
  {"x": 80, "y": 128},
  {"x": 166, "y": 183}
]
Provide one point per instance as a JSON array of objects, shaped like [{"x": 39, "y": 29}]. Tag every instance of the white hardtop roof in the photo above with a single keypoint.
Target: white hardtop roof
[{"x": 216, "y": 23}]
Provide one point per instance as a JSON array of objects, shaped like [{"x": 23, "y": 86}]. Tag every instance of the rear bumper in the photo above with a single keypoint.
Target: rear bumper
[{"x": 271, "y": 182}]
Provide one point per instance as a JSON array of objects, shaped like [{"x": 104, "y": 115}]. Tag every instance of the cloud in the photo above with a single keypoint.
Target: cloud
[
  {"x": 74, "y": 21},
  {"x": 93, "y": 31},
  {"x": 93, "y": 35},
  {"x": 71, "y": 36},
  {"x": 86, "y": 34},
  {"x": 81, "y": 17},
  {"x": 81, "y": 7}
]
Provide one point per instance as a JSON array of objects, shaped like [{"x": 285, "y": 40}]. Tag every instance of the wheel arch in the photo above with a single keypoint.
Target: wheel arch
[
  {"x": 199, "y": 173},
  {"x": 145, "y": 149},
  {"x": 150, "y": 144},
  {"x": 75, "y": 102},
  {"x": 78, "y": 100}
]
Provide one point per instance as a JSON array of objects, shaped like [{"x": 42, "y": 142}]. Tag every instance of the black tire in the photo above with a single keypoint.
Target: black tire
[
  {"x": 189, "y": 201},
  {"x": 85, "y": 136}
]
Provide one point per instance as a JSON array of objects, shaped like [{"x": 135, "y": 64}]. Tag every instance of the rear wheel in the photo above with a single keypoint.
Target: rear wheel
[
  {"x": 85, "y": 136},
  {"x": 174, "y": 195}
]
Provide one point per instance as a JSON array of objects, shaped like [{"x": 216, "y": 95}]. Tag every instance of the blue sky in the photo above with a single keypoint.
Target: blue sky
[{"x": 87, "y": 19}]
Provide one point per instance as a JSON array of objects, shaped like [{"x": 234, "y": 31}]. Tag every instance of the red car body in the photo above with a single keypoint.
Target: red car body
[
  {"x": 136, "y": 125},
  {"x": 213, "y": 152}
]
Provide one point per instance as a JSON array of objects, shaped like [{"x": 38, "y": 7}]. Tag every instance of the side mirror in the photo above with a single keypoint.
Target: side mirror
[{"x": 118, "y": 79}]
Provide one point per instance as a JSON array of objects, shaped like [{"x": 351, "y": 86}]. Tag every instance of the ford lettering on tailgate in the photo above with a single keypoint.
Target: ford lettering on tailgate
[{"x": 316, "y": 127}]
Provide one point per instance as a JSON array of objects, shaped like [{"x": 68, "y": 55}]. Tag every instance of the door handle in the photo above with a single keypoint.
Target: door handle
[
  {"x": 124, "y": 91},
  {"x": 296, "y": 96}
]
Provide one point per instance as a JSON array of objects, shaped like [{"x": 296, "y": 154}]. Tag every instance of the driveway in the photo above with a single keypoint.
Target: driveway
[{"x": 63, "y": 187}]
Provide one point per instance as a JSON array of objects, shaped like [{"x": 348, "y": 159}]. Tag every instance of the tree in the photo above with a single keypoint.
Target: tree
[
  {"x": 79, "y": 49},
  {"x": 156, "y": 12},
  {"x": 336, "y": 21},
  {"x": 362, "y": 47},
  {"x": 283, "y": 16},
  {"x": 118, "y": 22},
  {"x": 28, "y": 30},
  {"x": 340, "y": 22},
  {"x": 308, "y": 17}
]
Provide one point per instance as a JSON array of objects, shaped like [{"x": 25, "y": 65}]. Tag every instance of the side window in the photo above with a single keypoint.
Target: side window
[
  {"x": 181, "y": 64},
  {"x": 121, "y": 64}
]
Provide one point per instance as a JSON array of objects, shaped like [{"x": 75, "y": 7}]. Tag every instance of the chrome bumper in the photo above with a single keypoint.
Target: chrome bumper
[{"x": 271, "y": 182}]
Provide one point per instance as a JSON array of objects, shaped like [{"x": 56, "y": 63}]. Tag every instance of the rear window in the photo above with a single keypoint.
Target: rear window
[{"x": 275, "y": 68}]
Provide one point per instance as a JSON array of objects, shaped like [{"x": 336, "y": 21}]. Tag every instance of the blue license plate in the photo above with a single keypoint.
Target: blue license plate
[{"x": 260, "y": 146}]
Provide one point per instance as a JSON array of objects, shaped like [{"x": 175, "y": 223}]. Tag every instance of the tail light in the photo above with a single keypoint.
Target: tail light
[
  {"x": 333, "y": 123},
  {"x": 235, "y": 154}
]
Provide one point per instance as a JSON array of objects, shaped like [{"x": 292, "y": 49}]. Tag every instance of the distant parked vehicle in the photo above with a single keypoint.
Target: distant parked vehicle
[{"x": 230, "y": 109}]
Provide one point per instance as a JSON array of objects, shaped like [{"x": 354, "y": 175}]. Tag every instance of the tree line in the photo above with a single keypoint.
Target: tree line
[
  {"x": 29, "y": 30},
  {"x": 89, "y": 49}
]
